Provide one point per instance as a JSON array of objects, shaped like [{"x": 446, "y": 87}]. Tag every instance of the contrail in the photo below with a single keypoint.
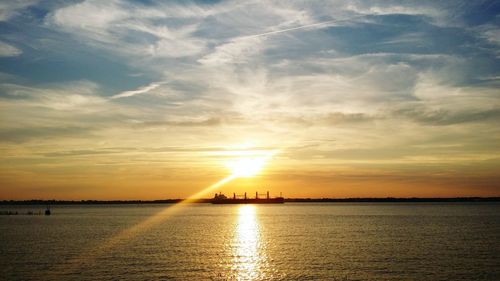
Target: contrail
[{"x": 324, "y": 23}]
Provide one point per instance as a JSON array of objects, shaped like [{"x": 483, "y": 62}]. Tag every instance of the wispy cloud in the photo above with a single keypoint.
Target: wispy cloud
[
  {"x": 21, "y": 135},
  {"x": 400, "y": 86},
  {"x": 108, "y": 24},
  {"x": 236, "y": 51},
  {"x": 142, "y": 90},
  {"x": 7, "y": 50},
  {"x": 10, "y": 9},
  {"x": 181, "y": 123}
]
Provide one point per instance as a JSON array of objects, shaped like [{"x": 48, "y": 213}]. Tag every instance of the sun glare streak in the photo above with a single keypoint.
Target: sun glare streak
[
  {"x": 88, "y": 257},
  {"x": 243, "y": 167}
]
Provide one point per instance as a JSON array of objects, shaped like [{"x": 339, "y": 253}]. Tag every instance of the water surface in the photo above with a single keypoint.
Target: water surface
[{"x": 294, "y": 241}]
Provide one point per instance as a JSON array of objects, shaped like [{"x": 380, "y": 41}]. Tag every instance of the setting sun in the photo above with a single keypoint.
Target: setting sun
[
  {"x": 249, "y": 140},
  {"x": 246, "y": 167}
]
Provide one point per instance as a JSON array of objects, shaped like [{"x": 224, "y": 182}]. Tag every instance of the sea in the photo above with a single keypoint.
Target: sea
[{"x": 291, "y": 241}]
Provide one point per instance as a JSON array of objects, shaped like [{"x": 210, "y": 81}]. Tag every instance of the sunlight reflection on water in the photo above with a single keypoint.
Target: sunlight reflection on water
[
  {"x": 249, "y": 254},
  {"x": 431, "y": 241}
]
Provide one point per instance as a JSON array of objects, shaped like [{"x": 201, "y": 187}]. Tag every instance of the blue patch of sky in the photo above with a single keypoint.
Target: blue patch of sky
[
  {"x": 386, "y": 35},
  {"x": 52, "y": 57},
  {"x": 482, "y": 12},
  {"x": 399, "y": 35},
  {"x": 145, "y": 2},
  {"x": 113, "y": 77},
  {"x": 73, "y": 61}
]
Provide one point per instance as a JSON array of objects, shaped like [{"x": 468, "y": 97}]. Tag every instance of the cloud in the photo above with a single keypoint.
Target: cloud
[
  {"x": 181, "y": 123},
  {"x": 56, "y": 112},
  {"x": 443, "y": 117},
  {"x": 171, "y": 42},
  {"x": 492, "y": 34},
  {"x": 139, "y": 91},
  {"x": 41, "y": 133},
  {"x": 108, "y": 24},
  {"x": 238, "y": 50},
  {"x": 7, "y": 50},
  {"x": 400, "y": 86},
  {"x": 326, "y": 119},
  {"x": 387, "y": 8},
  {"x": 89, "y": 16},
  {"x": 87, "y": 152},
  {"x": 9, "y": 9},
  {"x": 73, "y": 96}
]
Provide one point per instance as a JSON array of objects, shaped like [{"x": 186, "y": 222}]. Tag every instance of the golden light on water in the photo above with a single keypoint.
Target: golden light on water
[
  {"x": 248, "y": 254},
  {"x": 247, "y": 257},
  {"x": 89, "y": 256}
]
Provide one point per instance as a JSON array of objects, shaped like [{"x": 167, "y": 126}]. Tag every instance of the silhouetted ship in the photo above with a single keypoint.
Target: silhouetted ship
[{"x": 243, "y": 199}]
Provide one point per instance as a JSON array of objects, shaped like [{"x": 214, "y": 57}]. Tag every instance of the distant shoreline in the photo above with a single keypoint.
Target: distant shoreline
[{"x": 304, "y": 200}]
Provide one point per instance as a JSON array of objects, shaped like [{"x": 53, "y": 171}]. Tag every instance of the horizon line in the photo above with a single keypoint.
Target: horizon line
[{"x": 287, "y": 199}]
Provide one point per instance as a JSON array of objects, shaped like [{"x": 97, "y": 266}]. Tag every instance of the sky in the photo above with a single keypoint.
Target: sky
[{"x": 152, "y": 99}]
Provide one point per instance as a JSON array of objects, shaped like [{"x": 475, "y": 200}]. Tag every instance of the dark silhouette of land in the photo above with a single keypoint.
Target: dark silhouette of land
[{"x": 307, "y": 200}]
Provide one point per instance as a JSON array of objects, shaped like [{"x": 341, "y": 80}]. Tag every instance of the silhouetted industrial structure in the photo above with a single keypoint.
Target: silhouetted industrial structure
[{"x": 243, "y": 199}]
